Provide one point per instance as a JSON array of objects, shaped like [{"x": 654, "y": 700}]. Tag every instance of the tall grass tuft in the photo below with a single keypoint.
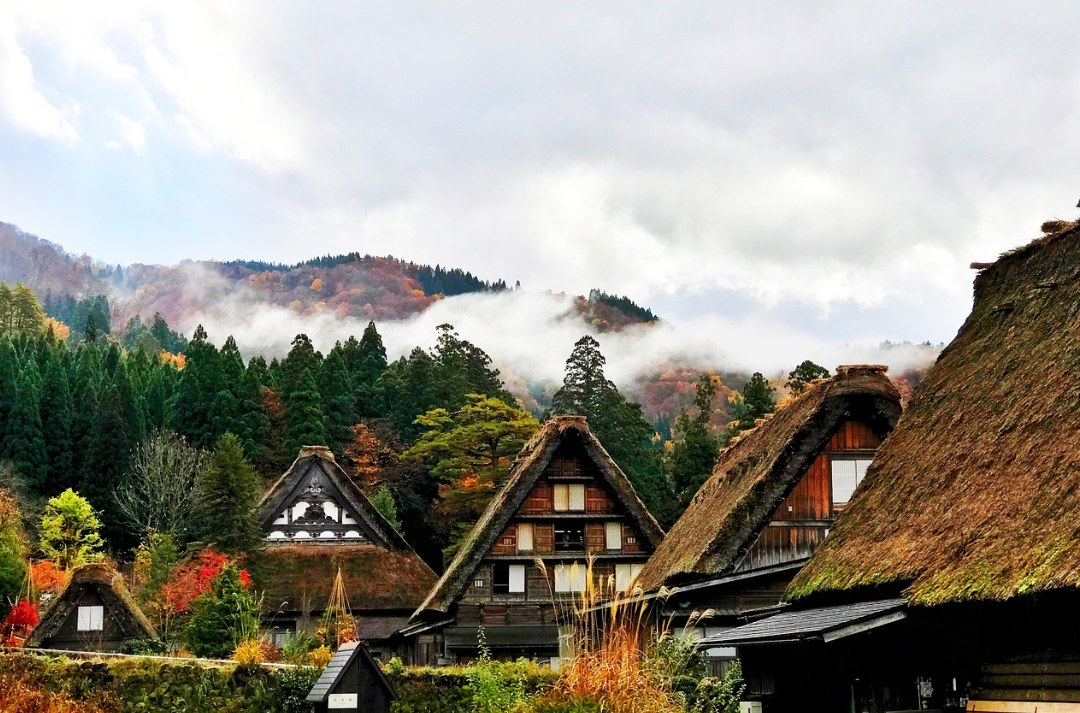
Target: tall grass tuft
[{"x": 616, "y": 649}]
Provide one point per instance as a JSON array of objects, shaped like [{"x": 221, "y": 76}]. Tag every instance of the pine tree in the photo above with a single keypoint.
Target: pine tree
[
  {"x": 803, "y": 374},
  {"x": 694, "y": 453},
  {"x": 336, "y": 389},
  {"x": 229, "y": 495},
  {"x": 305, "y": 421},
  {"x": 24, "y": 439},
  {"x": 57, "y": 423},
  {"x": 617, "y": 423},
  {"x": 759, "y": 398}
]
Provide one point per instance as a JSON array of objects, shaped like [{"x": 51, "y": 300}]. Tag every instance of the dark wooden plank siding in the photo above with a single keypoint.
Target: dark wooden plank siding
[{"x": 802, "y": 520}]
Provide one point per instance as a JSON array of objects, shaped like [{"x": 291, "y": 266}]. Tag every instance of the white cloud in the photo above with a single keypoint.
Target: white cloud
[
  {"x": 132, "y": 135},
  {"x": 21, "y": 102}
]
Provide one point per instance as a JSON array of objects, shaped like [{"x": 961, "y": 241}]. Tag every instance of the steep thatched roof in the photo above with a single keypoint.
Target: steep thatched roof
[
  {"x": 753, "y": 476},
  {"x": 375, "y": 526},
  {"x": 384, "y": 574},
  {"x": 526, "y": 470},
  {"x": 375, "y": 578},
  {"x": 109, "y": 584},
  {"x": 976, "y": 494}
]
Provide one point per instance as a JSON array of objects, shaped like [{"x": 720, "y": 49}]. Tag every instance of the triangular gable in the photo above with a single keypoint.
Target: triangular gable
[
  {"x": 315, "y": 477},
  {"x": 754, "y": 475},
  {"x": 348, "y": 655},
  {"x": 526, "y": 471},
  {"x": 119, "y": 605}
]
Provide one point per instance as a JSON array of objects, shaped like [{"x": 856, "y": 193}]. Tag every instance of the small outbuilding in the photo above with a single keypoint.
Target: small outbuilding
[
  {"x": 352, "y": 681},
  {"x": 95, "y": 612}
]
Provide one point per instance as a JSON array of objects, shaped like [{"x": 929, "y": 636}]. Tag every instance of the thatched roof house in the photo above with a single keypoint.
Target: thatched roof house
[
  {"x": 970, "y": 514},
  {"x": 975, "y": 496},
  {"x": 316, "y": 522},
  {"x": 565, "y": 504},
  {"x": 754, "y": 476},
  {"x": 95, "y": 612},
  {"x": 527, "y": 469}
]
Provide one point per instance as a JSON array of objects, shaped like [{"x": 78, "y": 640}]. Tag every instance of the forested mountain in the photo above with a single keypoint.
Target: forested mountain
[{"x": 352, "y": 285}]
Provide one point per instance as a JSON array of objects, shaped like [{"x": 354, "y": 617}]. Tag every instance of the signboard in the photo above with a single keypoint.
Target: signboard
[{"x": 347, "y": 701}]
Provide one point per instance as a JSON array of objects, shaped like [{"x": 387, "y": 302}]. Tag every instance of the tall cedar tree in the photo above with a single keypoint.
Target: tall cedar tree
[
  {"x": 694, "y": 453},
  {"x": 229, "y": 493},
  {"x": 305, "y": 420},
  {"x": 24, "y": 439},
  {"x": 366, "y": 361},
  {"x": 117, "y": 427},
  {"x": 57, "y": 421},
  {"x": 618, "y": 424},
  {"x": 338, "y": 399},
  {"x": 191, "y": 411}
]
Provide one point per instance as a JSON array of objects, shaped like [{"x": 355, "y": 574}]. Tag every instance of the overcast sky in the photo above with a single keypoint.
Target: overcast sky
[{"x": 830, "y": 165}]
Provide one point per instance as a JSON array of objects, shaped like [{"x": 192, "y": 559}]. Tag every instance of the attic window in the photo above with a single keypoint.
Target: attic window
[
  {"x": 569, "y": 496},
  {"x": 847, "y": 473},
  {"x": 91, "y": 618},
  {"x": 478, "y": 583}
]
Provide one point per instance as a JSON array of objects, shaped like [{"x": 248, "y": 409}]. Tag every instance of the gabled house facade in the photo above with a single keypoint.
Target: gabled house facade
[
  {"x": 317, "y": 522},
  {"x": 951, "y": 582},
  {"x": 95, "y": 612},
  {"x": 565, "y": 503},
  {"x": 769, "y": 503}
]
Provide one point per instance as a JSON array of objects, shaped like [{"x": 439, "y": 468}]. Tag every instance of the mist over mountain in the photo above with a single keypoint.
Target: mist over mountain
[{"x": 528, "y": 333}]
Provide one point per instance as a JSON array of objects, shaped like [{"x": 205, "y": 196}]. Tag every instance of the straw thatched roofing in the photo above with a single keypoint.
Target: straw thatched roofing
[
  {"x": 525, "y": 472},
  {"x": 754, "y": 475},
  {"x": 109, "y": 584},
  {"x": 385, "y": 573},
  {"x": 976, "y": 494},
  {"x": 375, "y": 578}
]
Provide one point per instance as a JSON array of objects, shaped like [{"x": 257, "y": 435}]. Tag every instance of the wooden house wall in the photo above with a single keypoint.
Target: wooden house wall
[
  {"x": 801, "y": 522},
  {"x": 536, "y": 606}
]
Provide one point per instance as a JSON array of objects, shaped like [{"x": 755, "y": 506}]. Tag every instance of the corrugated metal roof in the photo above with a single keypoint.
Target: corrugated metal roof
[
  {"x": 330, "y": 674},
  {"x": 809, "y": 623}
]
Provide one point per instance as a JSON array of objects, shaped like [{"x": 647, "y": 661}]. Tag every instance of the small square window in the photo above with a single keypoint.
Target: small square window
[
  {"x": 479, "y": 583},
  {"x": 91, "y": 618},
  {"x": 507, "y": 578}
]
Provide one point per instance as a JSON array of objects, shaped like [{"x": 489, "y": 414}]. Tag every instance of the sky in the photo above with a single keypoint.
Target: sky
[{"x": 825, "y": 171}]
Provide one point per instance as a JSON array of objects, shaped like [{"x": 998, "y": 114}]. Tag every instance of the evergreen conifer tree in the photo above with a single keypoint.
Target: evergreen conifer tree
[
  {"x": 229, "y": 493},
  {"x": 57, "y": 423},
  {"x": 336, "y": 389},
  {"x": 305, "y": 421},
  {"x": 24, "y": 439}
]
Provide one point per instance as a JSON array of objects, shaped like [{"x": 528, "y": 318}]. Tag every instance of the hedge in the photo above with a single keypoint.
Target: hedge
[
  {"x": 455, "y": 689},
  {"x": 136, "y": 685}
]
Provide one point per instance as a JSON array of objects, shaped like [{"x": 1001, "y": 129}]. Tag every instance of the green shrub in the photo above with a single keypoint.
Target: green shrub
[
  {"x": 149, "y": 686},
  {"x": 719, "y": 695},
  {"x": 451, "y": 690}
]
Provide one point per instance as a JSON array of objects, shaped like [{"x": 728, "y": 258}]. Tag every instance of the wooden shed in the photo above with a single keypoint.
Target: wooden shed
[
  {"x": 95, "y": 612},
  {"x": 352, "y": 681}
]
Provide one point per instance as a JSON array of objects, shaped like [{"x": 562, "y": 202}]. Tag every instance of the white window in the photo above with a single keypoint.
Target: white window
[
  {"x": 569, "y": 496},
  {"x": 570, "y": 577},
  {"x": 625, "y": 574},
  {"x": 525, "y": 537},
  {"x": 562, "y": 496},
  {"x": 517, "y": 579},
  {"x": 577, "y": 496},
  {"x": 613, "y": 535},
  {"x": 91, "y": 618},
  {"x": 847, "y": 473}
]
